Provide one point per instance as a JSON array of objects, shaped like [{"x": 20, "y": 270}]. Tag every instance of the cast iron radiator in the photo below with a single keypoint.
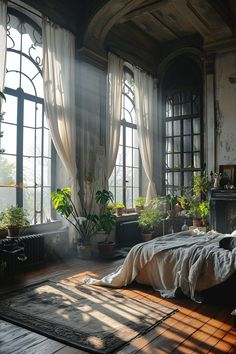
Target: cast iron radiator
[{"x": 33, "y": 248}]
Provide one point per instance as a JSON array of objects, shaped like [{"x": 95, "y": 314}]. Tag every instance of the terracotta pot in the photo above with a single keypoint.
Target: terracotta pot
[
  {"x": 106, "y": 249},
  {"x": 197, "y": 222},
  {"x": 119, "y": 211},
  {"x": 138, "y": 209},
  {"x": 146, "y": 237},
  {"x": 84, "y": 251},
  {"x": 13, "y": 231}
]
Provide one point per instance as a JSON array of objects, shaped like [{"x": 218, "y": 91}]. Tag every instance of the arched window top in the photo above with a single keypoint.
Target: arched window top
[
  {"x": 128, "y": 113},
  {"x": 24, "y": 54}
]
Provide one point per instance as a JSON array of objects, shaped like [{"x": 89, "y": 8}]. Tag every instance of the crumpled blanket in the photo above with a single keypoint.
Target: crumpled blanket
[{"x": 191, "y": 261}]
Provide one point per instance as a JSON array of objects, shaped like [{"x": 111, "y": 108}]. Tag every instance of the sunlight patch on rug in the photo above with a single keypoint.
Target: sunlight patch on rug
[{"x": 97, "y": 320}]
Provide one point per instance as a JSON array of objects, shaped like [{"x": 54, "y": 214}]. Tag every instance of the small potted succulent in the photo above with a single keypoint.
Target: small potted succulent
[
  {"x": 139, "y": 204},
  {"x": 13, "y": 219},
  {"x": 119, "y": 206}
]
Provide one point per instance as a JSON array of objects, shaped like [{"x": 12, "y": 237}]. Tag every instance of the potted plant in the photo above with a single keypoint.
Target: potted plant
[
  {"x": 119, "y": 206},
  {"x": 86, "y": 223},
  {"x": 13, "y": 219},
  {"x": 139, "y": 204},
  {"x": 107, "y": 221},
  {"x": 149, "y": 219},
  {"x": 195, "y": 202}
]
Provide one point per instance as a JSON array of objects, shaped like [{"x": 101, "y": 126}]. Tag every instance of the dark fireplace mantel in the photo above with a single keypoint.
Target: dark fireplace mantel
[{"x": 223, "y": 210}]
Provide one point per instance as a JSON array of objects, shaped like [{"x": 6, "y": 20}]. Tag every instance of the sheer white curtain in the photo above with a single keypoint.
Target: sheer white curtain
[
  {"x": 3, "y": 42},
  {"x": 59, "y": 94},
  {"x": 145, "y": 110},
  {"x": 114, "y": 93}
]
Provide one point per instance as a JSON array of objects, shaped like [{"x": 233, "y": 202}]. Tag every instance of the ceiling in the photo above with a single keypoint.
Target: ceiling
[{"x": 140, "y": 26}]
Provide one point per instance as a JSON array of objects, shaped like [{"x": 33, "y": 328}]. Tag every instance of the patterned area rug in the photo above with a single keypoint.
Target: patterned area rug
[{"x": 90, "y": 318}]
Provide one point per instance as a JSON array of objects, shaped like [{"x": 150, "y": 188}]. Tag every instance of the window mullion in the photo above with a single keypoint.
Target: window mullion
[{"x": 19, "y": 149}]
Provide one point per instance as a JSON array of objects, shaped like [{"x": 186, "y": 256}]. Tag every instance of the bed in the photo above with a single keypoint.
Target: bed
[{"x": 189, "y": 261}]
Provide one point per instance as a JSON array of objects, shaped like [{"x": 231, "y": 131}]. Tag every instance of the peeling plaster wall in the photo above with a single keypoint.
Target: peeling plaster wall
[{"x": 225, "y": 109}]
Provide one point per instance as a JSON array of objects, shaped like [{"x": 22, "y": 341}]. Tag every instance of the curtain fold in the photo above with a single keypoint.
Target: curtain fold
[
  {"x": 59, "y": 95},
  {"x": 3, "y": 43},
  {"x": 114, "y": 94},
  {"x": 145, "y": 110}
]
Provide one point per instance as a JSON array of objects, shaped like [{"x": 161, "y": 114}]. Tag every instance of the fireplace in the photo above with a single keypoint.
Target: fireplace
[{"x": 223, "y": 210}]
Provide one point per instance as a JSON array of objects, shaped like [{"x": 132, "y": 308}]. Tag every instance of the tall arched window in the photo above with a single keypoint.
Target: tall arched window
[
  {"x": 25, "y": 173},
  {"x": 125, "y": 181},
  {"x": 183, "y": 124}
]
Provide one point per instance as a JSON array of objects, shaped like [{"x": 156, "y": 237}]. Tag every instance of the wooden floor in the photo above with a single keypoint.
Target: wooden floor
[{"x": 196, "y": 328}]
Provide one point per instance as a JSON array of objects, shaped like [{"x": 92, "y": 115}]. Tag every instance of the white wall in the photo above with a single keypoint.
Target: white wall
[{"x": 225, "y": 109}]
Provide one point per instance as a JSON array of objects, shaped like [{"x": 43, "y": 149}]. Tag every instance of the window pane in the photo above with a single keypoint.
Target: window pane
[
  {"x": 196, "y": 160},
  {"x": 27, "y": 86},
  {"x": 12, "y": 80},
  {"x": 46, "y": 143},
  {"x": 38, "y": 142},
  {"x": 29, "y": 113},
  {"x": 38, "y": 171},
  {"x": 129, "y": 198},
  {"x": 187, "y": 126},
  {"x": 119, "y": 159},
  {"x": 39, "y": 116},
  {"x": 135, "y": 158},
  {"x": 188, "y": 160},
  {"x": 46, "y": 172},
  {"x": 7, "y": 197},
  {"x": 28, "y": 171},
  {"x": 9, "y": 145},
  {"x": 128, "y": 156},
  {"x": 177, "y": 160},
  {"x": 121, "y": 135},
  {"x": 169, "y": 159},
  {"x": 196, "y": 143},
  {"x": 186, "y": 109},
  {"x": 177, "y": 180},
  {"x": 29, "y": 141},
  {"x": 177, "y": 145},
  {"x": 129, "y": 141},
  {"x": 46, "y": 204},
  {"x": 169, "y": 145},
  {"x": 129, "y": 176},
  {"x": 119, "y": 194},
  {"x": 135, "y": 138},
  {"x": 196, "y": 126},
  {"x": 187, "y": 143},
  {"x": 188, "y": 179},
  {"x": 119, "y": 176},
  {"x": 28, "y": 202},
  {"x": 169, "y": 178},
  {"x": 176, "y": 127},
  {"x": 136, "y": 193},
  {"x": 136, "y": 177},
  {"x": 177, "y": 110},
  {"x": 10, "y": 108},
  {"x": 169, "y": 129},
  {"x": 7, "y": 170}
]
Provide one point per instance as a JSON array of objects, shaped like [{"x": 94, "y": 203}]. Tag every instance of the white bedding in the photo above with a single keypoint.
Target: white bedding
[{"x": 189, "y": 261}]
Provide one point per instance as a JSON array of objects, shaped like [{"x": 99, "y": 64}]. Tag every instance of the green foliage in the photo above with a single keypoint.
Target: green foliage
[
  {"x": 194, "y": 206},
  {"x": 13, "y": 216},
  {"x": 201, "y": 185},
  {"x": 119, "y": 205},
  {"x": 87, "y": 224},
  {"x": 172, "y": 200},
  {"x": 107, "y": 219},
  {"x": 151, "y": 216},
  {"x": 140, "y": 201}
]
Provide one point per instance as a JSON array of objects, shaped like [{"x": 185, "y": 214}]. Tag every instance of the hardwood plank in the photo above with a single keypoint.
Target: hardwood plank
[{"x": 46, "y": 346}]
